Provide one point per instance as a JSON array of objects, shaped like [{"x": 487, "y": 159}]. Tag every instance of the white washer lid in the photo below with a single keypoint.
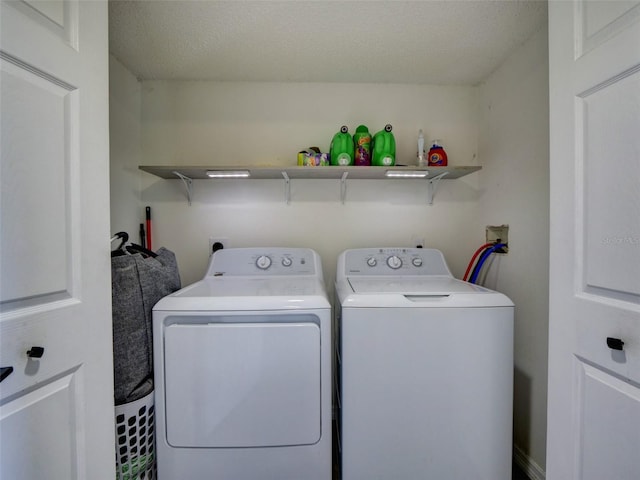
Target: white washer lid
[
  {"x": 416, "y": 292},
  {"x": 252, "y": 287},
  {"x": 414, "y": 285},
  {"x": 248, "y": 293}
]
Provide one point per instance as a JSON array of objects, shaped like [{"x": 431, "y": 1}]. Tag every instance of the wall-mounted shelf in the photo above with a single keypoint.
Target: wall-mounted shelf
[{"x": 432, "y": 175}]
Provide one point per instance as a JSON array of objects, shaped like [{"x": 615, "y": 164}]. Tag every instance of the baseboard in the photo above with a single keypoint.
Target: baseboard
[{"x": 527, "y": 465}]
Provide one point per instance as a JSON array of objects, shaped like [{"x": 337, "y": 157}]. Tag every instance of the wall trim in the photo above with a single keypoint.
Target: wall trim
[{"x": 528, "y": 466}]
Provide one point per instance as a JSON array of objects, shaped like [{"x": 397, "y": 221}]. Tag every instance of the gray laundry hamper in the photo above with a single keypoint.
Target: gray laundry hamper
[{"x": 137, "y": 282}]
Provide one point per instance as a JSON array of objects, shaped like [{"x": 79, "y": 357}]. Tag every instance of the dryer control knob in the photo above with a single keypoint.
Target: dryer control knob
[
  {"x": 394, "y": 262},
  {"x": 263, "y": 262},
  {"x": 372, "y": 262},
  {"x": 417, "y": 262},
  {"x": 286, "y": 261}
]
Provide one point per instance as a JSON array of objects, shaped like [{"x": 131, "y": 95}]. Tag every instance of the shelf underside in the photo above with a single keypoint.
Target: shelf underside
[{"x": 275, "y": 172}]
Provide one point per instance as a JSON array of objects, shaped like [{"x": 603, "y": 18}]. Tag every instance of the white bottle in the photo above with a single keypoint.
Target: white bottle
[{"x": 421, "y": 162}]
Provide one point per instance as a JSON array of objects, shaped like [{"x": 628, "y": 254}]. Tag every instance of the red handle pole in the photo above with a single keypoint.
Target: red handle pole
[{"x": 148, "y": 214}]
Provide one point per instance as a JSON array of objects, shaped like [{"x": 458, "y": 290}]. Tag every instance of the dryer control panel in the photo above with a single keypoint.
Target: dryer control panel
[
  {"x": 392, "y": 261},
  {"x": 274, "y": 261}
]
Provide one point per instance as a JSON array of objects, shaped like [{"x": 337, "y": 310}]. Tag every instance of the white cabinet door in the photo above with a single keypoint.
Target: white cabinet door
[
  {"x": 594, "y": 343},
  {"x": 56, "y": 406}
]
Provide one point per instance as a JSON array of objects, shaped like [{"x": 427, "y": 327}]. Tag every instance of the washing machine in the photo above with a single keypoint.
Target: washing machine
[
  {"x": 425, "y": 366},
  {"x": 242, "y": 374}
]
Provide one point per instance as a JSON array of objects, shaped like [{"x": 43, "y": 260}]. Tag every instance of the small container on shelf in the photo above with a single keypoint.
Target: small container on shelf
[
  {"x": 362, "y": 146},
  {"x": 437, "y": 155},
  {"x": 313, "y": 158},
  {"x": 421, "y": 162}
]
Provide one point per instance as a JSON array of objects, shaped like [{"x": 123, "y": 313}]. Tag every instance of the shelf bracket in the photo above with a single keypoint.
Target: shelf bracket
[
  {"x": 432, "y": 186},
  {"x": 287, "y": 187},
  {"x": 343, "y": 186},
  {"x": 188, "y": 184}
]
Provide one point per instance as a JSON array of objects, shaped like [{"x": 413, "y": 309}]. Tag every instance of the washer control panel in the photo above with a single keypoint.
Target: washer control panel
[
  {"x": 393, "y": 261},
  {"x": 264, "y": 261}
]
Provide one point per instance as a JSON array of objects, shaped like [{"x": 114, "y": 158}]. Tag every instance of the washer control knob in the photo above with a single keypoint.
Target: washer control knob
[
  {"x": 417, "y": 262},
  {"x": 263, "y": 262},
  {"x": 286, "y": 261},
  {"x": 372, "y": 262},
  {"x": 394, "y": 262}
]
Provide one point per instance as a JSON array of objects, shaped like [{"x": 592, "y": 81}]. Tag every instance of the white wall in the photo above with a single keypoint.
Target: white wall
[
  {"x": 501, "y": 125},
  {"x": 125, "y": 149},
  {"x": 514, "y": 153},
  {"x": 208, "y": 123}
]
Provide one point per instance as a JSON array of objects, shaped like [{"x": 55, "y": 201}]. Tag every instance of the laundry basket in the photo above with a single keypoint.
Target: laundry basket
[{"x": 135, "y": 440}]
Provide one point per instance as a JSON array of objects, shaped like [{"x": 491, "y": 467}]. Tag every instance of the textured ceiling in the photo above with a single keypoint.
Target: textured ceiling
[{"x": 447, "y": 42}]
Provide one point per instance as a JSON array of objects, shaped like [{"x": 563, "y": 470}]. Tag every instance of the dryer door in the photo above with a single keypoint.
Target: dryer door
[{"x": 242, "y": 384}]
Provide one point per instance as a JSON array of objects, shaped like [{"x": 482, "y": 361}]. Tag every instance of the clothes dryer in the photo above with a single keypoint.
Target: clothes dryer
[
  {"x": 426, "y": 369},
  {"x": 243, "y": 370}
]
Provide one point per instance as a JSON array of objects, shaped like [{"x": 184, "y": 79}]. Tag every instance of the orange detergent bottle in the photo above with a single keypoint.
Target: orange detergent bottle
[{"x": 437, "y": 155}]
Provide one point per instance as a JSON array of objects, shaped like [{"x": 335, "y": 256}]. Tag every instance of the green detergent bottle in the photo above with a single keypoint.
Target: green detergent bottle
[
  {"x": 341, "y": 149},
  {"x": 384, "y": 148}
]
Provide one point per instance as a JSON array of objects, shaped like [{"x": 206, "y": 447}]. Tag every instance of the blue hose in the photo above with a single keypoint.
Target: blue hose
[{"x": 484, "y": 256}]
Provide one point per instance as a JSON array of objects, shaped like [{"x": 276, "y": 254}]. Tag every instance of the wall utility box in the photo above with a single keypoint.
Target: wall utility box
[{"x": 498, "y": 233}]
